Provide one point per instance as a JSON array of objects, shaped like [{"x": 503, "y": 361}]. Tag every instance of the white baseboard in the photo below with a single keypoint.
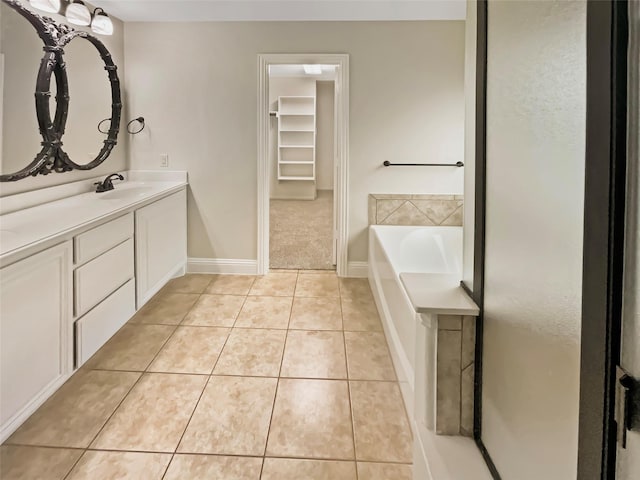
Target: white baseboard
[
  {"x": 358, "y": 269},
  {"x": 222, "y": 265}
]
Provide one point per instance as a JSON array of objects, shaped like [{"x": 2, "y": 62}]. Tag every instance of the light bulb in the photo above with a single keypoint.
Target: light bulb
[
  {"x": 101, "y": 23},
  {"x": 78, "y": 14},
  {"x": 51, "y": 6}
]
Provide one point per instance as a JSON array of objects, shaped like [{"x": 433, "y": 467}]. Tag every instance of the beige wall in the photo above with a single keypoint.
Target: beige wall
[
  {"x": 325, "y": 123},
  {"x": 278, "y": 87},
  {"x": 196, "y": 84},
  {"x": 21, "y": 140},
  {"x": 535, "y": 199},
  {"x": 470, "y": 40}
]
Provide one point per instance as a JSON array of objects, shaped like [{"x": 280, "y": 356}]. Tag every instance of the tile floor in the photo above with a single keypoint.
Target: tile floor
[{"x": 281, "y": 377}]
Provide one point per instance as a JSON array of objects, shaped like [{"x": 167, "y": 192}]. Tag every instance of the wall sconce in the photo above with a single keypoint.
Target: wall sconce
[
  {"x": 51, "y": 6},
  {"x": 101, "y": 23},
  {"x": 77, "y": 13}
]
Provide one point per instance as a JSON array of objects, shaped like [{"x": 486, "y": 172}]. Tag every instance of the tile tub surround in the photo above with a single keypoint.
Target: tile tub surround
[
  {"x": 449, "y": 316},
  {"x": 418, "y": 209},
  {"x": 204, "y": 386},
  {"x": 455, "y": 374}
]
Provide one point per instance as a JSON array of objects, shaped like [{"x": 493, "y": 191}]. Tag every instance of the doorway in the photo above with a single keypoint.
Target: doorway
[{"x": 302, "y": 162}]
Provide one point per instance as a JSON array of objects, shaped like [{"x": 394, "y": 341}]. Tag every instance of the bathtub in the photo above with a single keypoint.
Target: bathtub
[{"x": 398, "y": 249}]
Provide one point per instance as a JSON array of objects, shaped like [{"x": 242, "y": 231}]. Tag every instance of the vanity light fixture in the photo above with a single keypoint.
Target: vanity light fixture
[
  {"x": 101, "y": 23},
  {"x": 50, "y": 6},
  {"x": 312, "y": 69},
  {"x": 78, "y": 13}
]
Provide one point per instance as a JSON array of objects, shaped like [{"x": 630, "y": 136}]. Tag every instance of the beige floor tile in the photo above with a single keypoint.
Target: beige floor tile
[
  {"x": 382, "y": 432},
  {"x": 296, "y": 469},
  {"x": 252, "y": 352},
  {"x": 232, "y": 417},
  {"x": 166, "y": 308},
  {"x": 384, "y": 471},
  {"x": 311, "y": 419},
  {"x": 314, "y": 354},
  {"x": 215, "y": 311},
  {"x": 356, "y": 289},
  {"x": 317, "y": 286},
  {"x": 96, "y": 465},
  {"x": 275, "y": 285},
  {"x": 189, "y": 283},
  {"x": 368, "y": 356},
  {"x": 359, "y": 315},
  {"x": 208, "y": 467},
  {"x": 323, "y": 313},
  {"x": 73, "y": 416},
  {"x": 34, "y": 463},
  {"x": 230, "y": 284},
  {"x": 154, "y": 415},
  {"x": 283, "y": 270},
  {"x": 265, "y": 312},
  {"x": 132, "y": 348},
  {"x": 191, "y": 350}
]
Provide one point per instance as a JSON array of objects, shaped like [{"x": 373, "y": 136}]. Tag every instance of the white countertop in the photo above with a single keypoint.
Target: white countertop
[
  {"x": 438, "y": 293},
  {"x": 25, "y": 231}
]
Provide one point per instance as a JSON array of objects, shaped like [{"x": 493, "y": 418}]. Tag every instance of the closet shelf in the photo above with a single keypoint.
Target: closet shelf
[
  {"x": 296, "y": 178},
  {"x": 297, "y": 138}
]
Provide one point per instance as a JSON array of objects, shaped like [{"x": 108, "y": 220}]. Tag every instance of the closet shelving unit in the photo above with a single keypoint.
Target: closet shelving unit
[{"x": 297, "y": 138}]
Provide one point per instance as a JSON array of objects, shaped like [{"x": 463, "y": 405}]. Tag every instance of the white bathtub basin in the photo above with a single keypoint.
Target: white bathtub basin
[{"x": 398, "y": 249}]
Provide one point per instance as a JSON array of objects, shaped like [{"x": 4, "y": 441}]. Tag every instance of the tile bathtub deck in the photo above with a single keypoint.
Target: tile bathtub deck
[{"x": 286, "y": 376}]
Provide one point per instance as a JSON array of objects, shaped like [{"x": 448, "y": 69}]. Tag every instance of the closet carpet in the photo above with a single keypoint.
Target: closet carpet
[{"x": 300, "y": 233}]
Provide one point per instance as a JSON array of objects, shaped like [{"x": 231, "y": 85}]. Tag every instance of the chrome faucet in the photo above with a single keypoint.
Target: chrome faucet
[{"x": 107, "y": 183}]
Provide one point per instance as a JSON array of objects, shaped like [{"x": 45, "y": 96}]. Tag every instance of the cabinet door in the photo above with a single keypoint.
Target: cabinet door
[
  {"x": 36, "y": 333},
  {"x": 161, "y": 244}
]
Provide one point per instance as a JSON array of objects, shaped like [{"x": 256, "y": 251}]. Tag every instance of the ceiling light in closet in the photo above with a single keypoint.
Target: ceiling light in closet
[{"x": 313, "y": 69}]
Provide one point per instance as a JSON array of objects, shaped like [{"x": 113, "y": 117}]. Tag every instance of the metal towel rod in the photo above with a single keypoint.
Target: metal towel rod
[{"x": 387, "y": 163}]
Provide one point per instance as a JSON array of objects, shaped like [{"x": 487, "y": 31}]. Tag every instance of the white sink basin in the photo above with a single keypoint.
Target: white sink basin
[{"x": 126, "y": 192}]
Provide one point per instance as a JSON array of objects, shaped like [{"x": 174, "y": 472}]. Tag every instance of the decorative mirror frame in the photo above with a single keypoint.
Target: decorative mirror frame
[{"x": 52, "y": 157}]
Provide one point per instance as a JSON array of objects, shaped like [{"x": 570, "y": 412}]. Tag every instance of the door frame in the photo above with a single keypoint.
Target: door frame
[
  {"x": 603, "y": 247},
  {"x": 341, "y": 147}
]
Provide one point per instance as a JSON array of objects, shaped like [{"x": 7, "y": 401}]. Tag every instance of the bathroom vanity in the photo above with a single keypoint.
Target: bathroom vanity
[{"x": 74, "y": 267}]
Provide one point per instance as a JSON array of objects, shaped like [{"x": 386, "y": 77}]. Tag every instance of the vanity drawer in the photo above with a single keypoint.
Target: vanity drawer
[
  {"x": 100, "y": 324},
  {"x": 95, "y": 280},
  {"x": 89, "y": 245}
]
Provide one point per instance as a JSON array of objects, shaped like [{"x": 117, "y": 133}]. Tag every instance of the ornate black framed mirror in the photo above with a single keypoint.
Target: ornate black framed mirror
[{"x": 53, "y": 73}]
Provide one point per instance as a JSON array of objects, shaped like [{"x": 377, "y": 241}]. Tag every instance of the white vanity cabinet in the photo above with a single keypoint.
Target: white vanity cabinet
[
  {"x": 104, "y": 293},
  {"x": 36, "y": 332},
  {"x": 69, "y": 283},
  {"x": 161, "y": 244}
]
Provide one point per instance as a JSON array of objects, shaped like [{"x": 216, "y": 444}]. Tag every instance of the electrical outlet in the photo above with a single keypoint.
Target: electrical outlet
[{"x": 164, "y": 160}]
